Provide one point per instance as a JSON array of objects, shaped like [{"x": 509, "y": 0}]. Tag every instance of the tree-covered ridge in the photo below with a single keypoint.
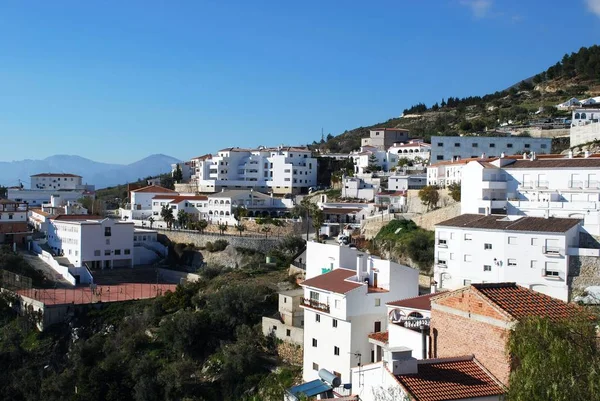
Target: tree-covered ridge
[{"x": 574, "y": 76}]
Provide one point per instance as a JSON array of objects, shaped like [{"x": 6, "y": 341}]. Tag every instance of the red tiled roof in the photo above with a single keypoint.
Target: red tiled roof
[
  {"x": 155, "y": 189},
  {"x": 67, "y": 217},
  {"x": 441, "y": 380},
  {"x": 55, "y": 175},
  {"x": 179, "y": 199},
  {"x": 334, "y": 281},
  {"x": 520, "y": 302},
  {"x": 422, "y": 302},
  {"x": 165, "y": 196},
  {"x": 40, "y": 212},
  {"x": 381, "y": 336},
  {"x": 207, "y": 156}
]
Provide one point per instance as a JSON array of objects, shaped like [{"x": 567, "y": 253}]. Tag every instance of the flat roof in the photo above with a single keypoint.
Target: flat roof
[{"x": 506, "y": 223}]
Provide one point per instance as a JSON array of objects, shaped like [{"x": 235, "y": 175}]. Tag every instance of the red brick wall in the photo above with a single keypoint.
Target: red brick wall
[
  {"x": 16, "y": 227},
  {"x": 454, "y": 335}
]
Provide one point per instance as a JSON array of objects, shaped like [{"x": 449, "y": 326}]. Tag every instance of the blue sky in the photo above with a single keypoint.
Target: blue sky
[{"x": 116, "y": 81}]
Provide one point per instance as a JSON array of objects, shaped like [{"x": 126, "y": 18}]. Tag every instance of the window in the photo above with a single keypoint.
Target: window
[
  {"x": 512, "y": 262},
  {"x": 512, "y": 240},
  {"x": 551, "y": 270},
  {"x": 317, "y": 317},
  {"x": 107, "y": 252},
  {"x": 337, "y": 303},
  {"x": 315, "y": 366},
  {"x": 451, "y": 256},
  {"x": 96, "y": 253},
  {"x": 336, "y": 350},
  {"x": 543, "y": 146},
  {"x": 314, "y": 296},
  {"x": 457, "y": 145},
  {"x": 377, "y": 301},
  {"x": 527, "y": 146},
  {"x": 442, "y": 243},
  {"x": 10, "y": 216},
  {"x": 377, "y": 327},
  {"x": 487, "y": 268},
  {"x": 117, "y": 251},
  {"x": 475, "y": 145},
  {"x": 468, "y": 237},
  {"x": 509, "y": 145},
  {"x": 533, "y": 264},
  {"x": 288, "y": 332},
  {"x": 492, "y": 145},
  {"x": 440, "y": 157},
  {"x": 487, "y": 246},
  {"x": 468, "y": 258},
  {"x": 107, "y": 232},
  {"x": 314, "y": 342},
  {"x": 108, "y": 241},
  {"x": 466, "y": 282},
  {"x": 285, "y": 300},
  {"x": 127, "y": 251},
  {"x": 274, "y": 328},
  {"x": 440, "y": 144},
  {"x": 534, "y": 242}
]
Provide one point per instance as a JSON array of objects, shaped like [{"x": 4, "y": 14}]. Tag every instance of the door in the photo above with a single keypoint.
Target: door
[
  {"x": 377, "y": 327},
  {"x": 374, "y": 279}
]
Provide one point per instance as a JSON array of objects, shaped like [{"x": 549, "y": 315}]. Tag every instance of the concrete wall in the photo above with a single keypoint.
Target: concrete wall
[
  {"x": 258, "y": 243},
  {"x": 271, "y": 326},
  {"x": 50, "y": 261},
  {"x": 475, "y": 146},
  {"x": 584, "y": 134}
]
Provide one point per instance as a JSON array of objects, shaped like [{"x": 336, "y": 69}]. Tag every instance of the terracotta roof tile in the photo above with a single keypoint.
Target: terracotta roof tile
[
  {"x": 441, "y": 380},
  {"x": 163, "y": 197},
  {"x": 520, "y": 302},
  {"x": 334, "y": 281},
  {"x": 556, "y": 163},
  {"x": 56, "y": 175},
  {"x": 179, "y": 199},
  {"x": 422, "y": 302},
  {"x": 381, "y": 336},
  {"x": 67, "y": 217},
  {"x": 154, "y": 189},
  {"x": 497, "y": 222}
]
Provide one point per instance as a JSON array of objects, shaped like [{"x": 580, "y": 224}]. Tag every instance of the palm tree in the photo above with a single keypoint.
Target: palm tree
[
  {"x": 266, "y": 230},
  {"x": 167, "y": 215},
  {"x": 222, "y": 227},
  {"x": 240, "y": 227},
  {"x": 182, "y": 219}
]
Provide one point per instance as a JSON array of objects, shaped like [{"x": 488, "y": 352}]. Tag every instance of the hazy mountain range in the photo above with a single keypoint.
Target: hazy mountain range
[{"x": 101, "y": 175}]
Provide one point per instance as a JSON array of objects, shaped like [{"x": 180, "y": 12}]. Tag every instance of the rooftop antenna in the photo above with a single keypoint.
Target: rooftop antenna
[{"x": 360, "y": 372}]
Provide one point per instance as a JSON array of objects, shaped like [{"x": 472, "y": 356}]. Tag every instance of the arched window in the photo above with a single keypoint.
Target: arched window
[
  {"x": 226, "y": 213},
  {"x": 415, "y": 315},
  {"x": 583, "y": 116},
  {"x": 221, "y": 213},
  {"x": 210, "y": 212},
  {"x": 576, "y": 116}
]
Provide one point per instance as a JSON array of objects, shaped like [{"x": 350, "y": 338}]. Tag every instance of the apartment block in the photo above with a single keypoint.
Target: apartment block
[{"x": 444, "y": 148}]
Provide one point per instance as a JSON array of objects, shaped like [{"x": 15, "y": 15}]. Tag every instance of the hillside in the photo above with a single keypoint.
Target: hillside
[
  {"x": 576, "y": 75},
  {"x": 94, "y": 173}
]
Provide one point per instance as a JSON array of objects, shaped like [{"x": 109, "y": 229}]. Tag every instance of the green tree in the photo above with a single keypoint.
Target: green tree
[
  {"x": 554, "y": 360},
  {"x": 454, "y": 190},
  {"x": 265, "y": 229},
  {"x": 404, "y": 161},
  {"x": 201, "y": 225},
  {"x": 222, "y": 227},
  {"x": 167, "y": 215},
  {"x": 240, "y": 228},
  {"x": 3, "y": 192},
  {"x": 373, "y": 164},
  {"x": 177, "y": 174},
  {"x": 240, "y": 212},
  {"x": 429, "y": 196},
  {"x": 183, "y": 218},
  {"x": 318, "y": 218}
]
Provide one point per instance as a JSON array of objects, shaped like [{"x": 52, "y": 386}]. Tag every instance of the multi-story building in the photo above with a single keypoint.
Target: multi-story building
[
  {"x": 288, "y": 324},
  {"x": 92, "y": 241},
  {"x": 404, "y": 182},
  {"x": 445, "y": 173},
  {"x": 359, "y": 188},
  {"x": 56, "y": 181},
  {"x": 280, "y": 170},
  {"x": 415, "y": 150},
  {"x": 370, "y": 159},
  {"x": 461, "y": 319},
  {"x": 13, "y": 222},
  {"x": 142, "y": 200},
  {"x": 531, "y": 251},
  {"x": 345, "y": 304},
  {"x": 444, "y": 148},
  {"x": 384, "y": 138},
  {"x": 539, "y": 186}
]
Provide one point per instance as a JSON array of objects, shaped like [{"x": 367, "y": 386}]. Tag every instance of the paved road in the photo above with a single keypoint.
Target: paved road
[{"x": 43, "y": 267}]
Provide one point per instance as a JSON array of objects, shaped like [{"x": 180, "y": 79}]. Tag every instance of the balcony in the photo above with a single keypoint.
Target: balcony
[
  {"x": 414, "y": 324},
  {"x": 492, "y": 204},
  {"x": 493, "y": 183},
  {"x": 442, "y": 244},
  {"x": 576, "y": 184},
  {"x": 313, "y": 304},
  {"x": 553, "y": 251},
  {"x": 575, "y": 205},
  {"x": 542, "y": 184}
]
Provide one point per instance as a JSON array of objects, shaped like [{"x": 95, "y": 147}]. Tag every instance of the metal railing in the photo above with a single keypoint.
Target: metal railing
[
  {"x": 576, "y": 184},
  {"x": 311, "y": 303},
  {"x": 414, "y": 324}
]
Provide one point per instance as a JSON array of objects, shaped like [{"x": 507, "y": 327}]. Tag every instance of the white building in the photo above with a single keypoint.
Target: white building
[
  {"x": 569, "y": 104},
  {"x": 358, "y": 188},
  {"x": 445, "y": 173},
  {"x": 532, "y": 251},
  {"x": 56, "y": 181},
  {"x": 92, "y": 241},
  {"x": 415, "y": 150},
  {"x": 288, "y": 324},
  {"x": 280, "y": 170},
  {"x": 404, "y": 182},
  {"x": 550, "y": 185},
  {"x": 141, "y": 202},
  {"x": 368, "y": 159},
  {"x": 383, "y": 138},
  {"x": 346, "y": 304},
  {"x": 584, "y": 126},
  {"x": 40, "y": 197}
]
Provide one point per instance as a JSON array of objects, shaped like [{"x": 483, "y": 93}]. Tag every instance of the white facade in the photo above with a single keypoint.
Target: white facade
[
  {"x": 443, "y": 174},
  {"x": 39, "y": 197},
  {"x": 95, "y": 243},
  {"x": 280, "y": 170},
  {"x": 569, "y": 104},
  {"x": 56, "y": 181},
  {"x": 525, "y": 250},
  {"x": 288, "y": 325},
  {"x": 367, "y": 157},
  {"x": 357, "y": 188},
  {"x": 553, "y": 186},
  {"x": 343, "y": 306},
  {"x": 413, "y": 150},
  {"x": 404, "y": 182}
]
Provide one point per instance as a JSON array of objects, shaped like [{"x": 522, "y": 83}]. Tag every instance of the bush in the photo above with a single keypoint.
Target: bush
[{"x": 217, "y": 246}]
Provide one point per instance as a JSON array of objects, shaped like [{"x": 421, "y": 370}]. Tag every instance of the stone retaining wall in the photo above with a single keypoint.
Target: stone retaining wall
[
  {"x": 290, "y": 353},
  {"x": 429, "y": 220},
  {"x": 584, "y": 271},
  {"x": 200, "y": 240}
]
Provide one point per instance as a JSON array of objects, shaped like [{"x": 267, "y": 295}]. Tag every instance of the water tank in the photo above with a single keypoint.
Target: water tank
[{"x": 330, "y": 378}]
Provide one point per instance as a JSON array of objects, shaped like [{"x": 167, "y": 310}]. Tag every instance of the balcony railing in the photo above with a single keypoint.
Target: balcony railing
[
  {"x": 414, "y": 324},
  {"x": 311, "y": 303},
  {"x": 553, "y": 250},
  {"x": 576, "y": 184}
]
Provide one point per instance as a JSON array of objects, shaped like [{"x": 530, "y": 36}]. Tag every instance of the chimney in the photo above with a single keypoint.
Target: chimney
[
  {"x": 487, "y": 211},
  {"x": 570, "y": 154},
  {"x": 586, "y": 154},
  {"x": 402, "y": 363},
  {"x": 524, "y": 155},
  {"x": 483, "y": 155},
  {"x": 359, "y": 267},
  {"x": 502, "y": 155}
]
